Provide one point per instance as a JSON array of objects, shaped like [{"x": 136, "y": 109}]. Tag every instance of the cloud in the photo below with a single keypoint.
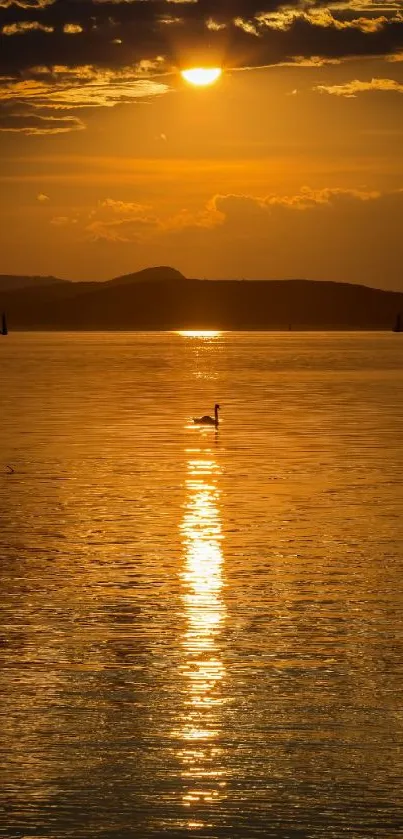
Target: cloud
[
  {"x": 116, "y": 221},
  {"x": 247, "y": 26},
  {"x": 29, "y": 123},
  {"x": 24, "y": 26},
  {"x": 322, "y": 17},
  {"x": 72, "y": 28},
  {"x": 206, "y": 219},
  {"x": 337, "y": 234},
  {"x": 214, "y": 26},
  {"x": 33, "y": 105},
  {"x": 121, "y": 207},
  {"x": 309, "y": 61},
  {"x": 115, "y": 34},
  {"x": 80, "y": 87},
  {"x": 328, "y": 233},
  {"x": 25, "y": 4},
  {"x": 351, "y": 89},
  {"x": 59, "y": 55},
  {"x": 251, "y": 213},
  {"x": 123, "y": 230},
  {"x": 306, "y": 199}
]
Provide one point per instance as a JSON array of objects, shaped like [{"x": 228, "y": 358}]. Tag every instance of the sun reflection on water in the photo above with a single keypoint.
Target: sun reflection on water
[
  {"x": 199, "y": 333},
  {"x": 203, "y": 669}
]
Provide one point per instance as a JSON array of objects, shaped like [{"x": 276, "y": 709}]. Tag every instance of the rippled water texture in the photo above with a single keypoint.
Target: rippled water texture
[{"x": 202, "y": 629}]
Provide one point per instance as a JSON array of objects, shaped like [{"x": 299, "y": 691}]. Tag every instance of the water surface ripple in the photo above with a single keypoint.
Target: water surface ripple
[{"x": 201, "y": 630}]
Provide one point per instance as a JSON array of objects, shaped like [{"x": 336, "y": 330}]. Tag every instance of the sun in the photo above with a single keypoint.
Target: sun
[
  {"x": 201, "y": 76},
  {"x": 199, "y": 333}
]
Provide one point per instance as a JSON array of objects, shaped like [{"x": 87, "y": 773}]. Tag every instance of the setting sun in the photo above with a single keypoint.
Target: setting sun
[
  {"x": 202, "y": 76},
  {"x": 199, "y": 333}
]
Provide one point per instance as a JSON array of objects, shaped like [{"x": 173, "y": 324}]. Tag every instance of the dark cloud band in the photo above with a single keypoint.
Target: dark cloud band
[
  {"x": 129, "y": 41},
  {"x": 234, "y": 32}
]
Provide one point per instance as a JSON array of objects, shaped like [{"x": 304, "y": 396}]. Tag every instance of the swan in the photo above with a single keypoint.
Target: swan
[{"x": 206, "y": 420}]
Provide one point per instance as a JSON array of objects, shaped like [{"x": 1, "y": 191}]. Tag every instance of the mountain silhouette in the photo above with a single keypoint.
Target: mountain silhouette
[
  {"x": 161, "y": 273},
  {"x": 14, "y": 281},
  {"x": 162, "y": 298}
]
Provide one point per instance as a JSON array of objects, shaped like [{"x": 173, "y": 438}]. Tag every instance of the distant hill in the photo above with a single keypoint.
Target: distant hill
[
  {"x": 162, "y": 298},
  {"x": 16, "y": 281},
  {"x": 148, "y": 275}
]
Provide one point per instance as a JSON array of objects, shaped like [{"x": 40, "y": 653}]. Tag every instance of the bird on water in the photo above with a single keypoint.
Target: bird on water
[{"x": 206, "y": 420}]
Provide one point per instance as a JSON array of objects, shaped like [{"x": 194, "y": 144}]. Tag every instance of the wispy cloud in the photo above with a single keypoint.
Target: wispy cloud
[
  {"x": 116, "y": 221},
  {"x": 32, "y": 105},
  {"x": 322, "y": 17},
  {"x": 306, "y": 199},
  {"x": 351, "y": 89},
  {"x": 72, "y": 28},
  {"x": 114, "y": 34},
  {"x": 395, "y": 57},
  {"x": 81, "y": 87},
  {"x": 29, "y": 123},
  {"x": 58, "y": 55},
  {"x": 26, "y": 4},
  {"x": 24, "y": 26}
]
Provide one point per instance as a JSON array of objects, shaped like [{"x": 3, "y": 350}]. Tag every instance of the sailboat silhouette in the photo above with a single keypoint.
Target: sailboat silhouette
[
  {"x": 398, "y": 323},
  {"x": 4, "y": 329}
]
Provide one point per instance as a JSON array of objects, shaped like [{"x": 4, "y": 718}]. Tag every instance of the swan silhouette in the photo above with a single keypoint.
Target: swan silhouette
[{"x": 206, "y": 420}]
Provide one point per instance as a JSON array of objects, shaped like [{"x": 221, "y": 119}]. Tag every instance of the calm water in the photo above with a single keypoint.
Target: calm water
[{"x": 203, "y": 630}]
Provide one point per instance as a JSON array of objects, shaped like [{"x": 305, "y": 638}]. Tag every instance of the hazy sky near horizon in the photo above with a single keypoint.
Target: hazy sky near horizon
[{"x": 290, "y": 166}]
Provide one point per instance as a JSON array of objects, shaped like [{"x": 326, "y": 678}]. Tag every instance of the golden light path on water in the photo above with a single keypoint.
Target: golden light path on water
[
  {"x": 203, "y": 669},
  {"x": 199, "y": 333}
]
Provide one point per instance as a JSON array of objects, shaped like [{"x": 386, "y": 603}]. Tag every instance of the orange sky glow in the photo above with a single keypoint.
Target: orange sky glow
[{"x": 114, "y": 157}]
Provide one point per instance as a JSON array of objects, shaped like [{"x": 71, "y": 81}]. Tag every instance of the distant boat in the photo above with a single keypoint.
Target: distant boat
[
  {"x": 4, "y": 329},
  {"x": 398, "y": 324}
]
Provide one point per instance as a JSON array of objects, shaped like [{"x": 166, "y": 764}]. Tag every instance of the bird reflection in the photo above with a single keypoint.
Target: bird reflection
[{"x": 204, "y": 608}]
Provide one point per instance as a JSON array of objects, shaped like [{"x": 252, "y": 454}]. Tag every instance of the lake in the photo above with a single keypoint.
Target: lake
[{"x": 202, "y": 629}]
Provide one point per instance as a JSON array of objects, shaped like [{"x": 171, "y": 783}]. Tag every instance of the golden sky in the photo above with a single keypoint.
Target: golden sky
[{"x": 290, "y": 165}]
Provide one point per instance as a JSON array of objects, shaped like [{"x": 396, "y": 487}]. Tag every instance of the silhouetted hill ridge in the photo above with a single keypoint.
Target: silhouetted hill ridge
[
  {"x": 13, "y": 282},
  {"x": 162, "y": 298},
  {"x": 160, "y": 273}
]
